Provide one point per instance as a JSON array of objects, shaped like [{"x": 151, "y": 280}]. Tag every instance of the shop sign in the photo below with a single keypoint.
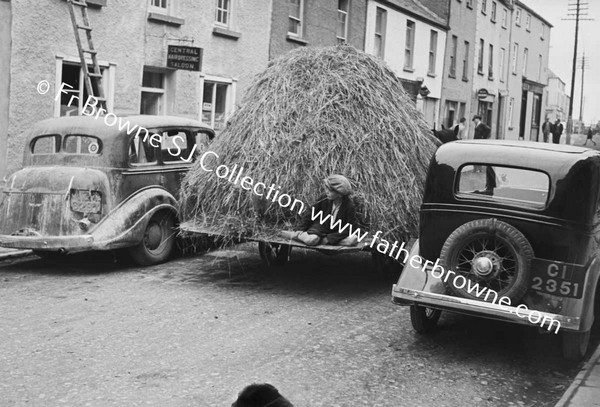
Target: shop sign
[
  {"x": 181, "y": 57},
  {"x": 206, "y": 106},
  {"x": 482, "y": 93}
]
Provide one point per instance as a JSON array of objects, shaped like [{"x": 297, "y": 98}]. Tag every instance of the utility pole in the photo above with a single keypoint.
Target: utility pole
[
  {"x": 577, "y": 9},
  {"x": 584, "y": 65}
]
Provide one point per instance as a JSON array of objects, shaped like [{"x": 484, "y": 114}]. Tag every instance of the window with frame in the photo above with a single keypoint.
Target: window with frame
[
  {"x": 469, "y": 3},
  {"x": 296, "y": 11},
  {"x": 504, "y": 17},
  {"x": 81, "y": 144},
  {"x": 74, "y": 93},
  {"x": 528, "y": 22},
  {"x": 480, "y": 56},
  {"x": 153, "y": 93},
  {"x": 433, "y": 35},
  {"x": 214, "y": 104},
  {"x": 484, "y": 6},
  {"x": 514, "y": 58},
  {"x": 543, "y": 31},
  {"x": 47, "y": 144},
  {"x": 539, "y": 73},
  {"x": 525, "y": 59},
  {"x": 142, "y": 150},
  {"x": 453, "y": 48},
  {"x": 380, "y": 27},
  {"x": 493, "y": 17},
  {"x": 518, "y": 16},
  {"x": 223, "y": 13},
  {"x": 342, "y": 28},
  {"x": 175, "y": 146},
  {"x": 409, "y": 44},
  {"x": 491, "y": 62},
  {"x": 465, "y": 62},
  {"x": 501, "y": 58}
]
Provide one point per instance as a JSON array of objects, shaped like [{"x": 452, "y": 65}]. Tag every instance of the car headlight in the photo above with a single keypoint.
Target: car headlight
[{"x": 86, "y": 201}]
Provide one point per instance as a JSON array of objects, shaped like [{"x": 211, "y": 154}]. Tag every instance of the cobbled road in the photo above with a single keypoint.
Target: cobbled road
[{"x": 196, "y": 330}]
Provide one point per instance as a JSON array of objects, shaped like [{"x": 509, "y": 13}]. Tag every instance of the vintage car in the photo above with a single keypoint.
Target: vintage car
[
  {"x": 519, "y": 218},
  {"x": 100, "y": 183}
]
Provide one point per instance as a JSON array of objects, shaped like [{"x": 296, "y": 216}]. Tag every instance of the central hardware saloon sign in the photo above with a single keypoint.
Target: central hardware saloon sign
[{"x": 189, "y": 58}]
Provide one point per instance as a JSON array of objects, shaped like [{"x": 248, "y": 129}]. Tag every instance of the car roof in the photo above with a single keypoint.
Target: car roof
[
  {"x": 103, "y": 126},
  {"x": 529, "y": 145}
]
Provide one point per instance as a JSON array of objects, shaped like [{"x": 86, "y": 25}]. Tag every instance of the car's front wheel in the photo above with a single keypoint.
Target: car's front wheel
[
  {"x": 424, "y": 319},
  {"x": 158, "y": 241}
]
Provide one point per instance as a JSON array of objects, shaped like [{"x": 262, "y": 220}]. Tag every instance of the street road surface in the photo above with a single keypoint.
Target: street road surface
[{"x": 195, "y": 331}]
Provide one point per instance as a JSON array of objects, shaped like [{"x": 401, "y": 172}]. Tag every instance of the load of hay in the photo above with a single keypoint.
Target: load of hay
[{"x": 315, "y": 112}]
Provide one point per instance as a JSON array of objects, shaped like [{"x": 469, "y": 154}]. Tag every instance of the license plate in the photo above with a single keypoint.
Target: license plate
[{"x": 557, "y": 278}]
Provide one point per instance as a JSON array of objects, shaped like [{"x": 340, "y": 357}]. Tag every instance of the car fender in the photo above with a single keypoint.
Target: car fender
[
  {"x": 124, "y": 226},
  {"x": 584, "y": 307}
]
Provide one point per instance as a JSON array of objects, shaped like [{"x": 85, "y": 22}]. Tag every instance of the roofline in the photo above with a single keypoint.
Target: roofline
[
  {"x": 413, "y": 14},
  {"x": 533, "y": 12}
]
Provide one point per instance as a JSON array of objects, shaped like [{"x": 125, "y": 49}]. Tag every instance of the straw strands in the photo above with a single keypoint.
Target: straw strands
[{"x": 311, "y": 113}]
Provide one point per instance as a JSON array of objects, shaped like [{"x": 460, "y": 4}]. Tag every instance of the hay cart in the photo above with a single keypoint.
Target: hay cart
[{"x": 275, "y": 251}]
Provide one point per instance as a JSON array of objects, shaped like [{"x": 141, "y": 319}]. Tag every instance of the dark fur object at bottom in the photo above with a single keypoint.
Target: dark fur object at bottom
[{"x": 261, "y": 395}]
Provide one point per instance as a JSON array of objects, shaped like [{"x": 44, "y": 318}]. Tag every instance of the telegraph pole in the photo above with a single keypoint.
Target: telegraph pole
[
  {"x": 577, "y": 9},
  {"x": 583, "y": 66}
]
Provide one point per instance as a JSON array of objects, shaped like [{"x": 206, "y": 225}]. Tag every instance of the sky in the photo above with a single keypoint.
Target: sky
[{"x": 562, "y": 41}]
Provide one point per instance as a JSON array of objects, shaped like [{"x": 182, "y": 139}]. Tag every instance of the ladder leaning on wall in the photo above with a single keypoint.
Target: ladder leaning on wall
[{"x": 93, "y": 79}]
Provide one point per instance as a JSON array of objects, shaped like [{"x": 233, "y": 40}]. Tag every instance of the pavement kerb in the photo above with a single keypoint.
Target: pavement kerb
[
  {"x": 13, "y": 254},
  {"x": 579, "y": 379}
]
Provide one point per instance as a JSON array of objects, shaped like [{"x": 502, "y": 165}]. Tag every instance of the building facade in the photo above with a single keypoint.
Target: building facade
[
  {"x": 132, "y": 40},
  {"x": 556, "y": 100},
  {"x": 412, "y": 40}
]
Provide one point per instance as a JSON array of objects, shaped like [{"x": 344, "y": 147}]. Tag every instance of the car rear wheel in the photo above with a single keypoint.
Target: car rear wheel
[
  {"x": 424, "y": 319},
  {"x": 491, "y": 254},
  {"x": 158, "y": 241},
  {"x": 274, "y": 254},
  {"x": 575, "y": 344}
]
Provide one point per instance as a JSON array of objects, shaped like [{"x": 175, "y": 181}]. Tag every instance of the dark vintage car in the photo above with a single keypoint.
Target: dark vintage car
[
  {"x": 520, "y": 220},
  {"x": 100, "y": 183}
]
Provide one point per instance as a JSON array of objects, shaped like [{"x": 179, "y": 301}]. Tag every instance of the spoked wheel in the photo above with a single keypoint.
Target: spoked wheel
[
  {"x": 575, "y": 344},
  {"x": 491, "y": 254},
  {"x": 424, "y": 319},
  {"x": 274, "y": 254},
  {"x": 158, "y": 241}
]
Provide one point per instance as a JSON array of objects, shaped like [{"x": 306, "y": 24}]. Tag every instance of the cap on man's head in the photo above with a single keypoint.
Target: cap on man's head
[
  {"x": 339, "y": 184},
  {"x": 476, "y": 117}
]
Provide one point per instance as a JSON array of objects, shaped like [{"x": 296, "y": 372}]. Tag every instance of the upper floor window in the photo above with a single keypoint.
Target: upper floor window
[
  {"x": 432, "y": 51},
  {"x": 515, "y": 51},
  {"x": 465, "y": 66},
  {"x": 342, "y": 29},
  {"x": 525, "y": 58},
  {"x": 504, "y": 17},
  {"x": 453, "y": 48},
  {"x": 518, "y": 16},
  {"x": 409, "y": 44},
  {"x": 491, "y": 62},
  {"x": 539, "y": 73},
  {"x": 470, "y": 3},
  {"x": 543, "y": 31},
  {"x": 295, "y": 17},
  {"x": 493, "y": 17},
  {"x": 484, "y": 6},
  {"x": 74, "y": 93},
  {"x": 480, "y": 57},
  {"x": 528, "y": 22},
  {"x": 501, "y": 58},
  {"x": 160, "y": 4},
  {"x": 223, "y": 16},
  {"x": 380, "y": 23}
]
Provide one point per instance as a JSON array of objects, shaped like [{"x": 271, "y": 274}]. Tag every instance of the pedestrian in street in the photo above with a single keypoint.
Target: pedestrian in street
[
  {"x": 590, "y": 134},
  {"x": 336, "y": 203},
  {"x": 459, "y": 129},
  {"x": 546, "y": 129},
  {"x": 557, "y": 131},
  {"x": 482, "y": 130}
]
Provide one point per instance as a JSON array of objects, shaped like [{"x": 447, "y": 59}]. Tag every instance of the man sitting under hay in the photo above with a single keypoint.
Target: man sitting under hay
[{"x": 335, "y": 202}]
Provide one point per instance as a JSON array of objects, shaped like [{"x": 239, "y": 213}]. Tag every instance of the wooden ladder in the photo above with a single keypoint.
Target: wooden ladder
[{"x": 90, "y": 78}]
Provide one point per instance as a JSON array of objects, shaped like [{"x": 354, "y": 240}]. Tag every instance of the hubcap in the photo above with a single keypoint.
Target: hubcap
[
  {"x": 483, "y": 266},
  {"x": 153, "y": 236}
]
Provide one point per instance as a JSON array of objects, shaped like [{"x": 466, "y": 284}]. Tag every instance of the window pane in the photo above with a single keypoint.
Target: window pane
[
  {"x": 45, "y": 145},
  {"x": 79, "y": 144},
  {"x": 295, "y": 8},
  {"x": 151, "y": 103},
  {"x": 220, "y": 107},
  {"x": 504, "y": 184},
  {"x": 141, "y": 152},
  {"x": 174, "y": 144},
  {"x": 152, "y": 80}
]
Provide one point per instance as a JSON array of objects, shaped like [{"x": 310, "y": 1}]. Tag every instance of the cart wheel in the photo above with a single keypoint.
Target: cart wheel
[
  {"x": 575, "y": 344},
  {"x": 157, "y": 242},
  {"x": 274, "y": 254},
  {"x": 424, "y": 319},
  {"x": 386, "y": 265}
]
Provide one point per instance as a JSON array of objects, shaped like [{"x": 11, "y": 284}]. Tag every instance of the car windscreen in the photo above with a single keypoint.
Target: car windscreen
[
  {"x": 512, "y": 186},
  {"x": 81, "y": 144}
]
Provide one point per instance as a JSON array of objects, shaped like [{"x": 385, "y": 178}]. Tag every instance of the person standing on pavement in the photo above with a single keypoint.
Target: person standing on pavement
[
  {"x": 590, "y": 134},
  {"x": 547, "y": 129},
  {"x": 557, "y": 131},
  {"x": 482, "y": 130},
  {"x": 459, "y": 129}
]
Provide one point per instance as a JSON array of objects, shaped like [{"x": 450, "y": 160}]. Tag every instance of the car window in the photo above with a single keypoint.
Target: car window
[
  {"x": 203, "y": 139},
  {"x": 515, "y": 186},
  {"x": 175, "y": 144},
  {"x": 141, "y": 152},
  {"x": 45, "y": 144},
  {"x": 80, "y": 144}
]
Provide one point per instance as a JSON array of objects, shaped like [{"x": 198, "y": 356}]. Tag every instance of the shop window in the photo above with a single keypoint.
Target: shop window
[
  {"x": 214, "y": 104},
  {"x": 74, "y": 94},
  {"x": 223, "y": 16},
  {"x": 153, "y": 93},
  {"x": 380, "y": 26},
  {"x": 342, "y": 28},
  {"x": 296, "y": 11}
]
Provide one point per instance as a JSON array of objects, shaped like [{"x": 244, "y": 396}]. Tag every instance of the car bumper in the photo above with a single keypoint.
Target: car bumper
[
  {"x": 66, "y": 243},
  {"x": 406, "y": 296}
]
